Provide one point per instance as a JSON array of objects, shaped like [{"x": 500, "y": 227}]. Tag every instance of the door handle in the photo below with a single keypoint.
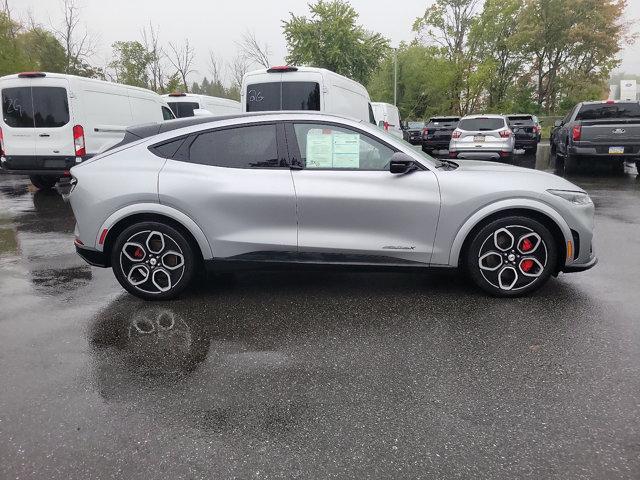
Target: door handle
[{"x": 44, "y": 135}]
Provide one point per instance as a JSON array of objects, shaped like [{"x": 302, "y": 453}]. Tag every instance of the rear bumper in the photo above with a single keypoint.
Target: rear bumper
[
  {"x": 602, "y": 151},
  {"x": 581, "y": 267},
  {"x": 435, "y": 145},
  {"x": 39, "y": 165},
  {"x": 92, "y": 257},
  {"x": 526, "y": 143}
]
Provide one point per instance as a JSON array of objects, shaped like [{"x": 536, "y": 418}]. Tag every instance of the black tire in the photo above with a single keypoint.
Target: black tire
[
  {"x": 570, "y": 164},
  {"x": 483, "y": 245},
  {"x": 174, "y": 279},
  {"x": 617, "y": 167},
  {"x": 533, "y": 151},
  {"x": 43, "y": 182}
]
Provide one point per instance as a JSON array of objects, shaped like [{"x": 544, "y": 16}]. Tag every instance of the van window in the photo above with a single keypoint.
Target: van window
[
  {"x": 239, "y": 147},
  {"x": 167, "y": 114},
  {"x": 183, "y": 109},
  {"x": 35, "y": 107},
  {"x": 372, "y": 117},
  {"x": 271, "y": 96}
]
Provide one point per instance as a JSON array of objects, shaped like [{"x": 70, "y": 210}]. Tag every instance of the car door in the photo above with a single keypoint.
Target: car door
[
  {"x": 235, "y": 183},
  {"x": 53, "y": 122},
  {"x": 350, "y": 207},
  {"x": 18, "y": 125}
]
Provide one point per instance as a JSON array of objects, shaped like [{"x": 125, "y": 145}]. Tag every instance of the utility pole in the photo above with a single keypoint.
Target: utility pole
[{"x": 395, "y": 77}]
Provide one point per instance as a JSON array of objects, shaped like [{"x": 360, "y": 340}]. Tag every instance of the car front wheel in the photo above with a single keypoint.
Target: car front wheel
[
  {"x": 511, "y": 256},
  {"x": 153, "y": 261}
]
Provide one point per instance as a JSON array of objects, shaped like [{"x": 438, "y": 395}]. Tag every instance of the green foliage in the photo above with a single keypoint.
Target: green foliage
[
  {"x": 131, "y": 62},
  {"x": 41, "y": 50},
  {"x": 215, "y": 89},
  {"x": 330, "y": 38}
]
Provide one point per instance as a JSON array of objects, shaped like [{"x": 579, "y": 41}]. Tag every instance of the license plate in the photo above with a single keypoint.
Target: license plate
[
  {"x": 616, "y": 150},
  {"x": 478, "y": 138}
]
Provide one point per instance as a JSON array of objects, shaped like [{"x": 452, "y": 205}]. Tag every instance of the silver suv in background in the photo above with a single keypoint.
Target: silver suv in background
[{"x": 483, "y": 137}]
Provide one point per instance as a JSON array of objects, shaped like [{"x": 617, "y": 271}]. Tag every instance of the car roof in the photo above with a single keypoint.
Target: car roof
[
  {"x": 445, "y": 117},
  {"x": 482, "y": 115}
]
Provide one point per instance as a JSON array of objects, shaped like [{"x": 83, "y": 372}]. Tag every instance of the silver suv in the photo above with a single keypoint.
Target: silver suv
[
  {"x": 306, "y": 188},
  {"x": 483, "y": 137}
]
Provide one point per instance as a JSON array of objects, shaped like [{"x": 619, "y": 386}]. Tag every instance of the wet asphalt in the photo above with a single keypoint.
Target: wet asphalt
[{"x": 316, "y": 375}]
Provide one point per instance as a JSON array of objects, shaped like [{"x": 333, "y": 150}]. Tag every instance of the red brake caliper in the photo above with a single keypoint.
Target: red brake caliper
[
  {"x": 138, "y": 253},
  {"x": 526, "y": 265},
  {"x": 526, "y": 245}
]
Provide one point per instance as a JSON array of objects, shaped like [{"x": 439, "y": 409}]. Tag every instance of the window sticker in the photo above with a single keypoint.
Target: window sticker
[{"x": 329, "y": 149}]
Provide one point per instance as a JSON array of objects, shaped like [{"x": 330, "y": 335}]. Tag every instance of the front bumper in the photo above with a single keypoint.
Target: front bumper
[
  {"x": 581, "y": 267},
  {"x": 92, "y": 257}
]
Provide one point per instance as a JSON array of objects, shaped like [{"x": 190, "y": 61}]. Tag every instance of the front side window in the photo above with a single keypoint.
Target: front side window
[
  {"x": 35, "y": 107},
  {"x": 275, "y": 96},
  {"x": 183, "y": 109},
  {"x": 331, "y": 147},
  {"x": 252, "y": 146}
]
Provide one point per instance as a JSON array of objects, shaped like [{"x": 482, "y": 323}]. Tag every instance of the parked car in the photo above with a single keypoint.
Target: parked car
[
  {"x": 51, "y": 121},
  {"x": 482, "y": 137},
  {"x": 185, "y": 104},
  {"x": 527, "y": 132},
  {"x": 604, "y": 132},
  {"x": 305, "y": 88},
  {"x": 311, "y": 189},
  {"x": 436, "y": 135},
  {"x": 413, "y": 132},
  {"x": 388, "y": 118}
]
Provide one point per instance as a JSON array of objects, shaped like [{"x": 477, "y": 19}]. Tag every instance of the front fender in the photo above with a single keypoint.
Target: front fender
[
  {"x": 181, "y": 218},
  {"x": 502, "y": 205}
]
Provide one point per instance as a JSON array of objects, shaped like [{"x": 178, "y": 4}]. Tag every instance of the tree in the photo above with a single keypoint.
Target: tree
[
  {"x": 41, "y": 50},
  {"x": 237, "y": 68},
  {"x": 331, "y": 39},
  {"x": 182, "y": 57},
  {"x": 78, "y": 45},
  {"x": 151, "y": 43},
  {"x": 253, "y": 51},
  {"x": 131, "y": 63}
]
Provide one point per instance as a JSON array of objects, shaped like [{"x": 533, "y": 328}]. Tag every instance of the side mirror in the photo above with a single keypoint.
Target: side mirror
[
  {"x": 557, "y": 123},
  {"x": 401, "y": 163}
]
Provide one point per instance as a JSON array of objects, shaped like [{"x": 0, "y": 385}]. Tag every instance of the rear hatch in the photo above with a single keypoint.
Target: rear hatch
[
  {"x": 524, "y": 127},
  {"x": 482, "y": 133},
  {"x": 614, "y": 128},
  {"x": 440, "y": 129},
  {"x": 282, "y": 88}
]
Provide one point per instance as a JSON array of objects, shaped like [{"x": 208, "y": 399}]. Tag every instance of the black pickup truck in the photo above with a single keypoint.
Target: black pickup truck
[{"x": 607, "y": 131}]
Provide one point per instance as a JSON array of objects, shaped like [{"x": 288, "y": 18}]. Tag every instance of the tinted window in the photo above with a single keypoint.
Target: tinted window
[
  {"x": 372, "y": 117},
  {"x": 183, "y": 109},
  {"x": 17, "y": 107},
  {"x": 414, "y": 125},
  {"x": 167, "y": 114},
  {"x": 262, "y": 97},
  {"x": 609, "y": 110},
  {"x": 300, "y": 96},
  {"x": 521, "y": 120},
  {"x": 329, "y": 147},
  {"x": 481, "y": 124},
  {"x": 167, "y": 150},
  {"x": 241, "y": 147},
  {"x": 443, "y": 123},
  {"x": 50, "y": 106}
]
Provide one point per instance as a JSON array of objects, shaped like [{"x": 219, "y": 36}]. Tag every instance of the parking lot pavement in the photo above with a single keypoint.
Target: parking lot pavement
[{"x": 316, "y": 375}]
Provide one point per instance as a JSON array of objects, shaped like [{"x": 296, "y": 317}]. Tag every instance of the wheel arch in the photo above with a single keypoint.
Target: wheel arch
[
  {"x": 128, "y": 216},
  {"x": 535, "y": 210}
]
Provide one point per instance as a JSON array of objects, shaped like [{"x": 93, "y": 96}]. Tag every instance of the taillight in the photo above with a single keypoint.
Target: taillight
[
  {"x": 1, "y": 143},
  {"x": 78, "y": 141},
  {"x": 505, "y": 133},
  {"x": 425, "y": 132},
  {"x": 456, "y": 134},
  {"x": 576, "y": 133},
  {"x": 537, "y": 128},
  {"x": 386, "y": 126}
]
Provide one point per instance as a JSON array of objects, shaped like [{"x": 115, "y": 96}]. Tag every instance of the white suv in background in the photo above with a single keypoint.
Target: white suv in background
[{"x": 483, "y": 137}]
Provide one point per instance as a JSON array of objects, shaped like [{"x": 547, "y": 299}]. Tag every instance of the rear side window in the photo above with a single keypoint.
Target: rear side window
[
  {"x": 274, "y": 96},
  {"x": 609, "y": 110},
  {"x": 35, "y": 107},
  {"x": 183, "y": 109},
  {"x": 239, "y": 147},
  {"x": 481, "y": 124}
]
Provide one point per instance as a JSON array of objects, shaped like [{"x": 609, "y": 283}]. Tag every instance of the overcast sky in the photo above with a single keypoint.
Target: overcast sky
[{"x": 217, "y": 24}]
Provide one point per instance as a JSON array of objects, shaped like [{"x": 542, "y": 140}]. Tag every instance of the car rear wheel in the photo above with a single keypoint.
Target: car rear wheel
[
  {"x": 153, "y": 261},
  {"x": 511, "y": 256},
  {"x": 43, "y": 182}
]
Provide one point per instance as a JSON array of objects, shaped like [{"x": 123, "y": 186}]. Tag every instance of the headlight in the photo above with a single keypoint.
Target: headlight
[{"x": 578, "y": 198}]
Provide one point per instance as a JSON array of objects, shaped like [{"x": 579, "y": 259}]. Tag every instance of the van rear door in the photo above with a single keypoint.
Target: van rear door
[
  {"x": 53, "y": 122},
  {"x": 17, "y": 118},
  {"x": 276, "y": 91}
]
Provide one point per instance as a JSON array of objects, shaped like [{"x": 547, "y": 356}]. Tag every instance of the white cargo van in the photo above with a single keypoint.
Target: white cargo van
[
  {"x": 52, "y": 121},
  {"x": 387, "y": 117},
  {"x": 186, "y": 104},
  {"x": 305, "y": 88}
]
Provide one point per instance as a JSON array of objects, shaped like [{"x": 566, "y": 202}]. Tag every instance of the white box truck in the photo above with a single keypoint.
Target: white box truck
[
  {"x": 191, "y": 104},
  {"x": 52, "y": 121},
  {"x": 305, "y": 88}
]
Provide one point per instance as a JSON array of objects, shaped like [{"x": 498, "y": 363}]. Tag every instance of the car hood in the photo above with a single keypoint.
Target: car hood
[{"x": 550, "y": 180}]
